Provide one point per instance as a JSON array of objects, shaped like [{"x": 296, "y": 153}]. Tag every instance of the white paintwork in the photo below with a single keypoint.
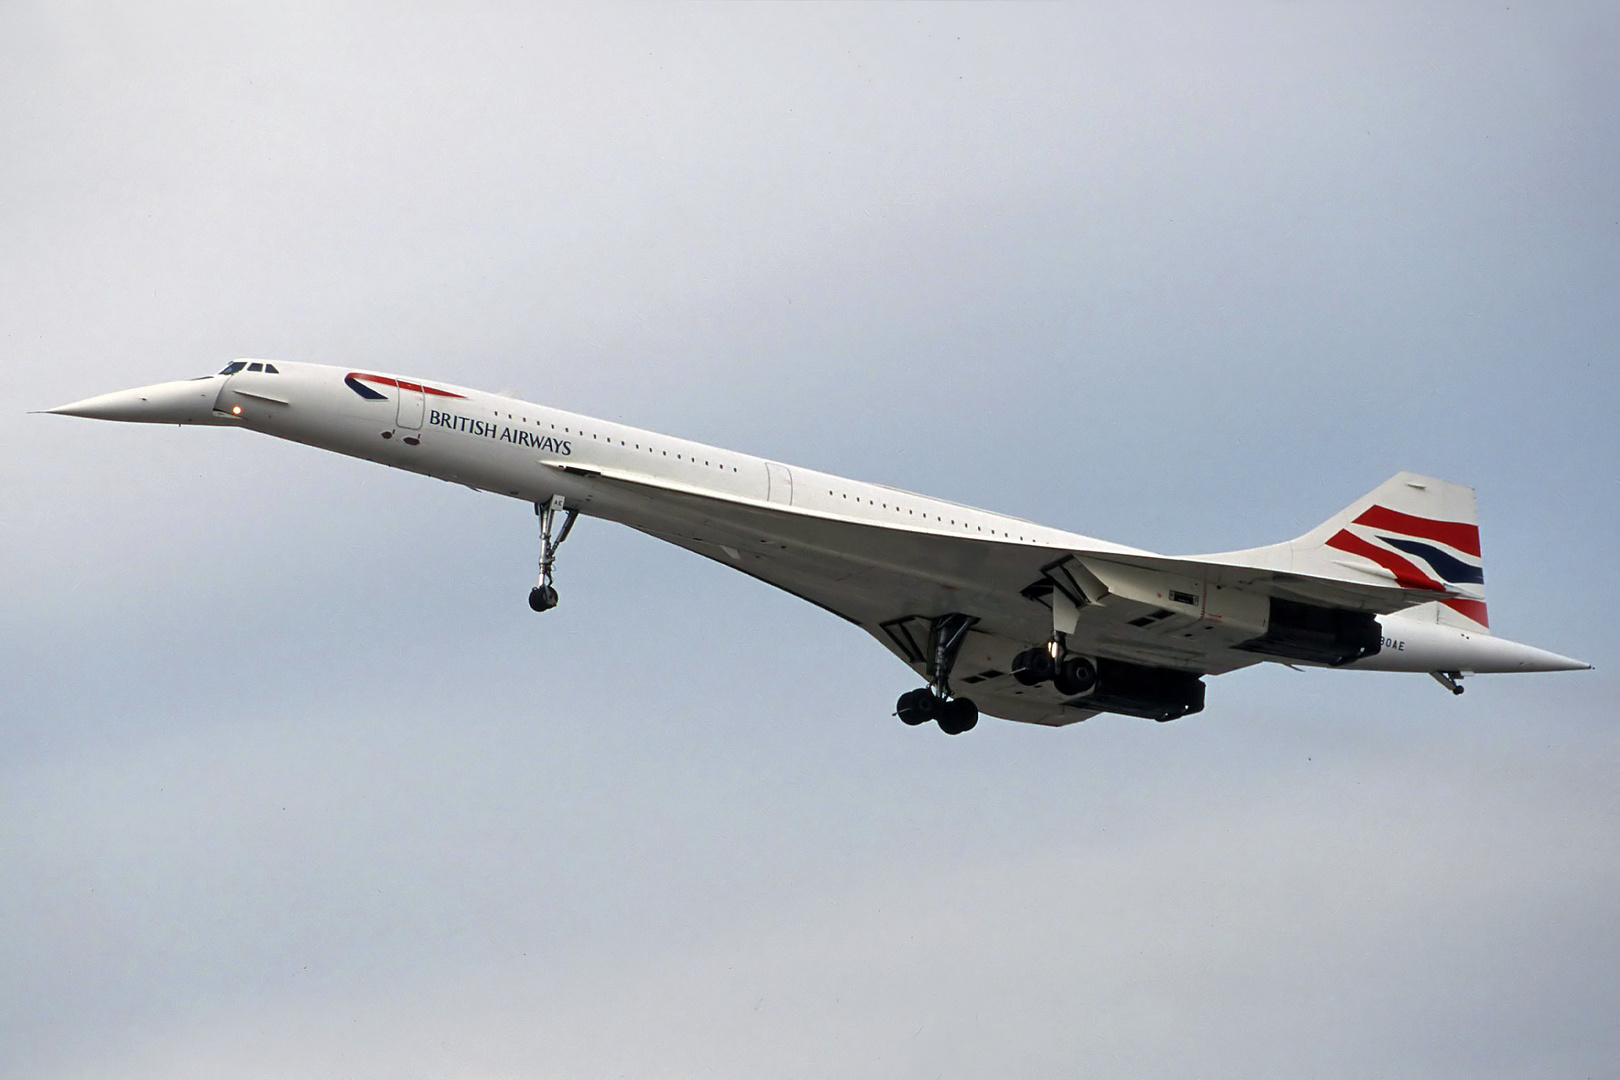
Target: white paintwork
[
  {"x": 412, "y": 409},
  {"x": 1411, "y": 645},
  {"x": 869, "y": 553}
]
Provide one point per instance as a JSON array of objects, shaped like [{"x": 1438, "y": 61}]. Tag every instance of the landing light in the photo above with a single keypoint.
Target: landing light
[{"x": 237, "y": 409}]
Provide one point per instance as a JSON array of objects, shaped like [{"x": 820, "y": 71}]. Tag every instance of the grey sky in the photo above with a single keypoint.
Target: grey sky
[{"x": 295, "y": 785}]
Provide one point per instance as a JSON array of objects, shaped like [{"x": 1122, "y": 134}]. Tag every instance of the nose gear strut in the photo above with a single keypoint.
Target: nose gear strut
[
  {"x": 543, "y": 597},
  {"x": 1451, "y": 680}
]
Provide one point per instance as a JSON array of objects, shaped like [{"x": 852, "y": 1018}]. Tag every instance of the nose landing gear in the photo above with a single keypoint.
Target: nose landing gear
[{"x": 543, "y": 597}]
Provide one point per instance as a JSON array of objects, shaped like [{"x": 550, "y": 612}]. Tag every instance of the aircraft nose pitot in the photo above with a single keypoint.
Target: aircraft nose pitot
[{"x": 189, "y": 401}]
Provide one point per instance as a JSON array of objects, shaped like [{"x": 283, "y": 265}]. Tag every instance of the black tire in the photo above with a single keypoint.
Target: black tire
[
  {"x": 1032, "y": 666},
  {"x": 916, "y": 706},
  {"x": 542, "y": 598},
  {"x": 1075, "y": 675},
  {"x": 958, "y": 715}
]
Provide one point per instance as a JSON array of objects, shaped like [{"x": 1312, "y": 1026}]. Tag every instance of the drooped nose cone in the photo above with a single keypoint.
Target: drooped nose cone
[{"x": 190, "y": 401}]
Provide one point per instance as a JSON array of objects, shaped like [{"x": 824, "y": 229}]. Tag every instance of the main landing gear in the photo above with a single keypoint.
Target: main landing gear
[
  {"x": 1073, "y": 674},
  {"x": 954, "y": 715},
  {"x": 543, "y": 597}
]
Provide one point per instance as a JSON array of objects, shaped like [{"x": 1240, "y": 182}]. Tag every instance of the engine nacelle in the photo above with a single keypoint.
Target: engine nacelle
[
  {"x": 1149, "y": 692},
  {"x": 1317, "y": 635},
  {"x": 1115, "y": 686}
]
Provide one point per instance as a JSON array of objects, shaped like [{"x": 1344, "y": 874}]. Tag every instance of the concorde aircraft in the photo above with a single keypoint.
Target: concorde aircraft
[{"x": 998, "y": 615}]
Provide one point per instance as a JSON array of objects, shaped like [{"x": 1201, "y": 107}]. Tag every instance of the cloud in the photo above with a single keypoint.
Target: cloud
[{"x": 1354, "y": 916}]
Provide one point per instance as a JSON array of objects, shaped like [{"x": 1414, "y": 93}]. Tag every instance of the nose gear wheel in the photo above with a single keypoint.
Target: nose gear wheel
[{"x": 543, "y": 597}]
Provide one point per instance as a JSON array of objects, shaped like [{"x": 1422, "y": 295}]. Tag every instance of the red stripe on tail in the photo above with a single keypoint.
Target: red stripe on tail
[
  {"x": 1459, "y": 534},
  {"x": 1474, "y": 609},
  {"x": 1406, "y": 573}
]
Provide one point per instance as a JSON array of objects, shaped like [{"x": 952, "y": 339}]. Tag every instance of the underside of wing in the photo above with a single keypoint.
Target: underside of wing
[{"x": 1136, "y": 608}]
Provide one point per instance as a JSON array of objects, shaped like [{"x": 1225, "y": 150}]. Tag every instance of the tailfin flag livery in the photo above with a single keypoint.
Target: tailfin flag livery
[{"x": 1417, "y": 531}]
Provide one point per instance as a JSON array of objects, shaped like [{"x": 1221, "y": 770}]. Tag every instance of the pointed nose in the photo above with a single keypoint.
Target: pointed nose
[
  {"x": 190, "y": 401},
  {"x": 1554, "y": 662},
  {"x": 1529, "y": 658}
]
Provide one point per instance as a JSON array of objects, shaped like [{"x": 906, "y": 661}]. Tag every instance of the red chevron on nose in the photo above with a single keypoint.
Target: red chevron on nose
[{"x": 402, "y": 384}]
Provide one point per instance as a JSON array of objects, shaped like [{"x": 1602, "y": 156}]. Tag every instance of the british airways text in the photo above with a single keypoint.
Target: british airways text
[{"x": 486, "y": 429}]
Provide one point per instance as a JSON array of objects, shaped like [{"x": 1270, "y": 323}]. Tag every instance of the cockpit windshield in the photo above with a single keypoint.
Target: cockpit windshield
[{"x": 237, "y": 365}]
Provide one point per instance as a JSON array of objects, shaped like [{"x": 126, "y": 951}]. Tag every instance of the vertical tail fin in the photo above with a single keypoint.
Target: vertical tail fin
[{"x": 1418, "y": 531}]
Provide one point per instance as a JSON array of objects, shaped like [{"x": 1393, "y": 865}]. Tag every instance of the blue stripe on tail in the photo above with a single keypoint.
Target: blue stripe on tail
[{"x": 1449, "y": 567}]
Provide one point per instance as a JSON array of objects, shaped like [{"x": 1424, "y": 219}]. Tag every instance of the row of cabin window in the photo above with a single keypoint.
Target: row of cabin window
[
  {"x": 571, "y": 431},
  {"x": 270, "y": 369},
  {"x": 568, "y": 431},
  {"x": 897, "y": 509}
]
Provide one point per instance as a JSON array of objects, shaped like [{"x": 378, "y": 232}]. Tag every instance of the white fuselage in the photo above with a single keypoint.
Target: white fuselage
[
  {"x": 534, "y": 452},
  {"x": 531, "y": 452}
]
